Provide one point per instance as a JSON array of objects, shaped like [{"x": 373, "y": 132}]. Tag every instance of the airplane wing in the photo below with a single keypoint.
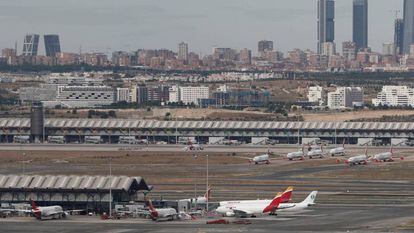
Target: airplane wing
[
  {"x": 241, "y": 213},
  {"x": 16, "y": 210},
  {"x": 71, "y": 212},
  {"x": 285, "y": 206}
]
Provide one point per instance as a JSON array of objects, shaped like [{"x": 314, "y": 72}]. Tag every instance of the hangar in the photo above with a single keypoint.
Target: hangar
[{"x": 72, "y": 192}]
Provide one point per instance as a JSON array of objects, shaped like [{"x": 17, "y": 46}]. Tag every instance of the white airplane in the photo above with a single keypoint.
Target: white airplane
[
  {"x": 316, "y": 153},
  {"x": 293, "y": 207},
  {"x": 200, "y": 200},
  {"x": 162, "y": 213},
  {"x": 250, "y": 209},
  {"x": 45, "y": 212},
  {"x": 338, "y": 150},
  {"x": 261, "y": 159},
  {"x": 385, "y": 156},
  {"x": 359, "y": 159},
  {"x": 296, "y": 155},
  {"x": 193, "y": 147},
  {"x": 286, "y": 197}
]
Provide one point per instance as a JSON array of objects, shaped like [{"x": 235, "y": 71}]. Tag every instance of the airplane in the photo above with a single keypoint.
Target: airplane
[
  {"x": 286, "y": 197},
  {"x": 200, "y": 200},
  {"x": 359, "y": 159},
  {"x": 385, "y": 156},
  {"x": 283, "y": 207},
  {"x": 296, "y": 155},
  {"x": 162, "y": 213},
  {"x": 193, "y": 147},
  {"x": 250, "y": 209},
  {"x": 338, "y": 150},
  {"x": 45, "y": 212},
  {"x": 261, "y": 159},
  {"x": 316, "y": 153}
]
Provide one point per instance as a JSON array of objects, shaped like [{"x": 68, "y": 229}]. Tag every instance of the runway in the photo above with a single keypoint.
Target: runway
[{"x": 321, "y": 218}]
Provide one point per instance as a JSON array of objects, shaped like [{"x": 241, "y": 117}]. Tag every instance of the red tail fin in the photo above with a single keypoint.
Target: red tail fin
[
  {"x": 153, "y": 211},
  {"x": 34, "y": 207},
  {"x": 207, "y": 195},
  {"x": 274, "y": 204},
  {"x": 287, "y": 195}
]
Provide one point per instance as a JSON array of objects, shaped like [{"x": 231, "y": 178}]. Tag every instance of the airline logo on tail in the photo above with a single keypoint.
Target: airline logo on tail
[{"x": 36, "y": 211}]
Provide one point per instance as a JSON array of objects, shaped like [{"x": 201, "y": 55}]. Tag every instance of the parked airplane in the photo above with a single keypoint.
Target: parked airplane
[
  {"x": 338, "y": 150},
  {"x": 162, "y": 213},
  {"x": 200, "y": 200},
  {"x": 250, "y": 209},
  {"x": 385, "y": 156},
  {"x": 359, "y": 159},
  {"x": 292, "y": 207},
  {"x": 261, "y": 159},
  {"x": 45, "y": 212},
  {"x": 296, "y": 155},
  {"x": 316, "y": 153}
]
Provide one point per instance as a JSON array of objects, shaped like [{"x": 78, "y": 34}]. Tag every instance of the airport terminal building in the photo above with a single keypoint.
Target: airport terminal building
[
  {"x": 91, "y": 193},
  {"x": 111, "y": 130}
]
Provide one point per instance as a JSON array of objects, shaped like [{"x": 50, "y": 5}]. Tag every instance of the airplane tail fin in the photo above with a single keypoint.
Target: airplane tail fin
[
  {"x": 287, "y": 195},
  {"x": 310, "y": 199},
  {"x": 34, "y": 206},
  {"x": 153, "y": 211},
  {"x": 343, "y": 144},
  {"x": 207, "y": 195},
  {"x": 366, "y": 150},
  {"x": 274, "y": 204}
]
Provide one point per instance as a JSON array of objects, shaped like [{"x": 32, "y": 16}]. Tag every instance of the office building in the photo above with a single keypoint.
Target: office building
[
  {"x": 246, "y": 56},
  {"x": 395, "y": 96},
  {"x": 408, "y": 25},
  {"x": 360, "y": 23},
  {"x": 52, "y": 45},
  {"x": 349, "y": 50},
  {"x": 123, "y": 94},
  {"x": 399, "y": 36},
  {"x": 326, "y": 22},
  {"x": 328, "y": 49},
  {"x": 345, "y": 97},
  {"x": 317, "y": 94},
  {"x": 83, "y": 97},
  {"x": 265, "y": 45},
  {"x": 189, "y": 95},
  {"x": 183, "y": 52},
  {"x": 388, "y": 49},
  {"x": 30, "y": 45}
]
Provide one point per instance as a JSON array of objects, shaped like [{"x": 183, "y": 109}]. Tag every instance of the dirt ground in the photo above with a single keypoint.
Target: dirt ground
[{"x": 346, "y": 116}]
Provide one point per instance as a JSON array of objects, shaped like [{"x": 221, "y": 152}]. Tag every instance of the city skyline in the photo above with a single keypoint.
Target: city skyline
[{"x": 189, "y": 26}]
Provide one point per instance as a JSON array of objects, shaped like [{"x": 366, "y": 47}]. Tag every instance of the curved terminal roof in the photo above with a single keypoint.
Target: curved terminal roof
[{"x": 152, "y": 124}]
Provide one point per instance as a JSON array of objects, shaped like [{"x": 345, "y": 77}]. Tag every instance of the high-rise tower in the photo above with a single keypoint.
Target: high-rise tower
[
  {"x": 399, "y": 36},
  {"x": 408, "y": 25},
  {"x": 30, "y": 45},
  {"x": 52, "y": 45},
  {"x": 326, "y": 22},
  {"x": 360, "y": 23}
]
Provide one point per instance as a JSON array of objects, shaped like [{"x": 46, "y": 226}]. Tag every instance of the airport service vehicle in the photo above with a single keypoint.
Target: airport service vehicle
[
  {"x": 162, "y": 213},
  {"x": 338, "y": 151},
  {"x": 283, "y": 207},
  {"x": 200, "y": 200},
  {"x": 296, "y": 155},
  {"x": 56, "y": 139},
  {"x": 286, "y": 197},
  {"x": 261, "y": 159},
  {"x": 230, "y": 142},
  {"x": 250, "y": 209},
  {"x": 316, "y": 153}
]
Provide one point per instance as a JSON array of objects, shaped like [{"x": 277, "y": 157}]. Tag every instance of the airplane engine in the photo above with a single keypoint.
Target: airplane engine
[{"x": 230, "y": 214}]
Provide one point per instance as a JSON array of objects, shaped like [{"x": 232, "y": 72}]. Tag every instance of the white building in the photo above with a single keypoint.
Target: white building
[
  {"x": 328, "y": 49},
  {"x": 388, "y": 49},
  {"x": 395, "y": 96},
  {"x": 190, "y": 95},
  {"x": 317, "y": 94},
  {"x": 174, "y": 94},
  {"x": 123, "y": 95},
  {"x": 83, "y": 97},
  {"x": 345, "y": 97}
]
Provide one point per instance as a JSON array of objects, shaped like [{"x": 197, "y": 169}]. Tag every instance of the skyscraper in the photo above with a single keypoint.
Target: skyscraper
[
  {"x": 326, "y": 22},
  {"x": 52, "y": 45},
  {"x": 183, "y": 51},
  {"x": 360, "y": 23},
  {"x": 30, "y": 45},
  {"x": 399, "y": 35},
  {"x": 265, "y": 45},
  {"x": 408, "y": 25}
]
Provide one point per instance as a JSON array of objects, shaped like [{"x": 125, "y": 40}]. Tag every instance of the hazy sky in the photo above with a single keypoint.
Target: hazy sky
[{"x": 108, "y": 25}]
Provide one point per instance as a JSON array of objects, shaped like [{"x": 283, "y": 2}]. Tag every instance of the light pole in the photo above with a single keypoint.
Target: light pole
[
  {"x": 195, "y": 187},
  {"x": 110, "y": 187},
  {"x": 207, "y": 187}
]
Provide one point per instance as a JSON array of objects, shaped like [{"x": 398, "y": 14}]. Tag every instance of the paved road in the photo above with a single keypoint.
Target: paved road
[{"x": 319, "y": 219}]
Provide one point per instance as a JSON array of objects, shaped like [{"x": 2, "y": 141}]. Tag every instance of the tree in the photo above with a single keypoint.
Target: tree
[{"x": 112, "y": 114}]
